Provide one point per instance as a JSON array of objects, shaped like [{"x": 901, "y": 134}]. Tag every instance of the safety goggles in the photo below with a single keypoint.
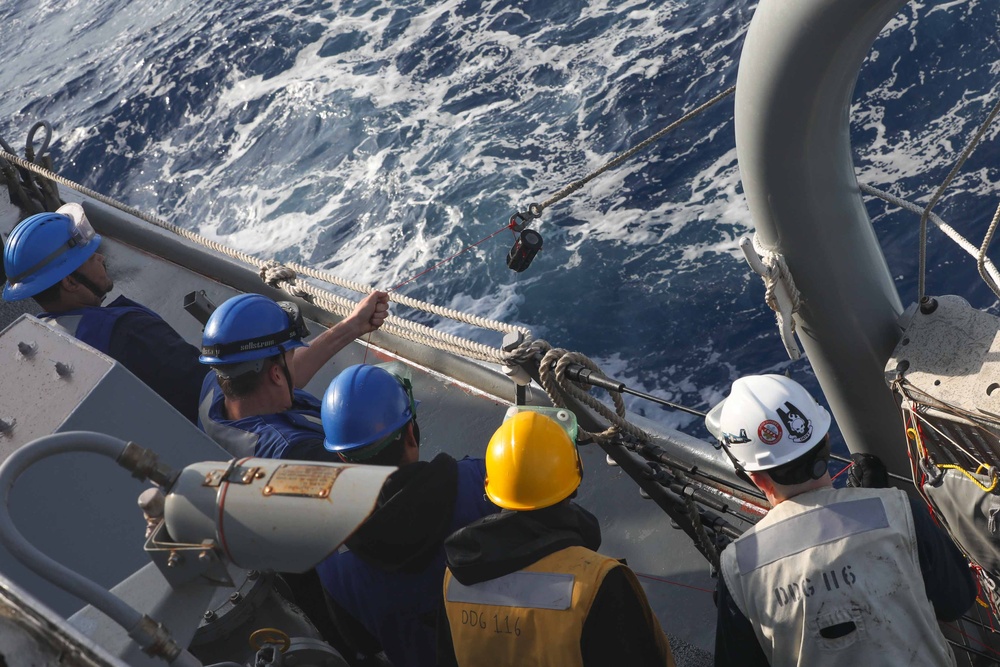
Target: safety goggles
[
  {"x": 565, "y": 418},
  {"x": 297, "y": 324},
  {"x": 81, "y": 233}
]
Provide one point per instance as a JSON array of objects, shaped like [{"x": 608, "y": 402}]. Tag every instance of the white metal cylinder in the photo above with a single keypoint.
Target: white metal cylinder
[{"x": 272, "y": 514}]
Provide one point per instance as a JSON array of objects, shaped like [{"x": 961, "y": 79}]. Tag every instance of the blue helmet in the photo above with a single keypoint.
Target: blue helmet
[
  {"x": 251, "y": 327},
  {"x": 45, "y": 248},
  {"x": 365, "y": 406}
]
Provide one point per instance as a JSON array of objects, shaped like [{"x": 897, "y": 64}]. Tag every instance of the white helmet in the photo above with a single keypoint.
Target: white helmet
[{"x": 769, "y": 420}]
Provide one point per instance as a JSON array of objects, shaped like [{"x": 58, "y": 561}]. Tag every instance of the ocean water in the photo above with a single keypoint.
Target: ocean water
[{"x": 373, "y": 138}]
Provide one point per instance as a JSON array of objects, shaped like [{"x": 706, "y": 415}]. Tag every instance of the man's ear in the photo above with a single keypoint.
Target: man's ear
[
  {"x": 275, "y": 374},
  {"x": 761, "y": 481},
  {"x": 412, "y": 435},
  {"x": 69, "y": 283}
]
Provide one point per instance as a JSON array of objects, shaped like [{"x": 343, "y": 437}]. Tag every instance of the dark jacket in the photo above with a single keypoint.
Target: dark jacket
[
  {"x": 141, "y": 341},
  {"x": 385, "y": 587},
  {"x": 295, "y": 433},
  {"x": 616, "y": 630}
]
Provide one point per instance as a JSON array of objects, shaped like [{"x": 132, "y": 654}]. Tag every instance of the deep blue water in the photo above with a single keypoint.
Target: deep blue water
[{"x": 375, "y": 137}]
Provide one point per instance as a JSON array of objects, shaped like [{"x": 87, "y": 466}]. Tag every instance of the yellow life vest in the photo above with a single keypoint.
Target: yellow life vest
[{"x": 534, "y": 617}]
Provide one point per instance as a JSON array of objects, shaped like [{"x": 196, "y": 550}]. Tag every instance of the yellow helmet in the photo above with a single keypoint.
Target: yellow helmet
[{"x": 531, "y": 462}]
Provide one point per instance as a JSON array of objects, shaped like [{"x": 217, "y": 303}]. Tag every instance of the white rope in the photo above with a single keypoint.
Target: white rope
[
  {"x": 780, "y": 292},
  {"x": 926, "y": 213},
  {"x": 978, "y": 253},
  {"x": 284, "y": 276},
  {"x": 981, "y": 262}
]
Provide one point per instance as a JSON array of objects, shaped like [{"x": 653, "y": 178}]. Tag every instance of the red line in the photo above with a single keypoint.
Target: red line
[
  {"x": 675, "y": 583},
  {"x": 448, "y": 259},
  {"x": 973, "y": 639},
  {"x": 845, "y": 469}
]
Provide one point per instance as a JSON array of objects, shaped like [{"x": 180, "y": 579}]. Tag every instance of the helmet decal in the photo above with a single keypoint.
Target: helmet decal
[
  {"x": 740, "y": 439},
  {"x": 769, "y": 432},
  {"x": 799, "y": 428}
]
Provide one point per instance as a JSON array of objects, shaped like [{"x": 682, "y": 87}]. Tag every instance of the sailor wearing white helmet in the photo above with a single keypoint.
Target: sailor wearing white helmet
[{"x": 829, "y": 576}]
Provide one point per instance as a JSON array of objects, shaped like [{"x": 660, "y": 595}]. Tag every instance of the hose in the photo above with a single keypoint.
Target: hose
[{"x": 143, "y": 630}]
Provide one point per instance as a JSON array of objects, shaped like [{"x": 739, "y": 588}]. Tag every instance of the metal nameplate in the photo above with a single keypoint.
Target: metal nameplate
[
  {"x": 234, "y": 474},
  {"x": 311, "y": 481}
]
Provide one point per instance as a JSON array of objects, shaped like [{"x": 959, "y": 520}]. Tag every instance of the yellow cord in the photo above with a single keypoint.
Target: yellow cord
[{"x": 970, "y": 476}]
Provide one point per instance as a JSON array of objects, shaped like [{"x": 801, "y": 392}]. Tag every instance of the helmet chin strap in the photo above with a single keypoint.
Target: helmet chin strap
[
  {"x": 737, "y": 466},
  {"x": 288, "y": 379},
  {"x": 89, "y": 284}
]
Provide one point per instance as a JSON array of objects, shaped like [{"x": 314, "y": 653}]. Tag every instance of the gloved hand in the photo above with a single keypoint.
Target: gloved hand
[{"x": 868, "y": 471}]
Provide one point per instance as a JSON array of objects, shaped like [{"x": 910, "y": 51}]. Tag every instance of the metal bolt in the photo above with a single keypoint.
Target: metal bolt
[
  {"x": 252, "y": 575},
  {"x": 174, "y": 559},
  {"x": 209, "y": 615},
  {"x": 268, "y": 490},
  {"x": 235, "y": 597},
  {"x": 260, "y": 474},
  {"x": 205, "y": 557},
  {"x": 63, "y": 370},
  {"x": 323, "y": 493},
  {"x": 27, "y": 349},
  {"x": 928, "y": 305}
]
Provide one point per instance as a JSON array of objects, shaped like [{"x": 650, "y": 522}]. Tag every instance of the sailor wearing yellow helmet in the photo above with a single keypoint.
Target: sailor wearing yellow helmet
[{"x": 526, "y": 586}]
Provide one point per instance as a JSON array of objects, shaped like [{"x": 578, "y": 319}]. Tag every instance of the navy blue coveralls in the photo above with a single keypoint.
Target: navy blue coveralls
[{"x": 141, "y": 341}]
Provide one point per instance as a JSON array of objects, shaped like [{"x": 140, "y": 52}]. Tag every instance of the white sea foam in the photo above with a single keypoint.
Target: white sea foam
[{"x": 397, "y": 134}]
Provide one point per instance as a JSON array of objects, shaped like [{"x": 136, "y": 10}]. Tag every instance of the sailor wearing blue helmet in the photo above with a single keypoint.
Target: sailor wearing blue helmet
[
  {"x": 384, "y": 587},
  {"x": 253, "y": 404},
  {"x": 54, "y": 259}
]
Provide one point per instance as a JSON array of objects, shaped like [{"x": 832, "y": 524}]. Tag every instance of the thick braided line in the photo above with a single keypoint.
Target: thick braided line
[
  {"x": 412, "y": 330},
  {"x": 469, "y": 347},
  {"x": 392, "y": 326},
  {"x": 397, "y": 326},
  {"x": 424, "y": 340},
  {"x": 450, "y": 313},
  {"x": 552, "y": 372},
  {"x": 274, "y": 276},
  {"x": 154, "y": 220},
  {"x": 222, "y": 249},
  {"x": 526, "y": 351}
]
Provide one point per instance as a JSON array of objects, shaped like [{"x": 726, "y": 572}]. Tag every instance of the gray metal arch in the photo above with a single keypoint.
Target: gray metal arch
[{"x": 797, "y": 74}]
